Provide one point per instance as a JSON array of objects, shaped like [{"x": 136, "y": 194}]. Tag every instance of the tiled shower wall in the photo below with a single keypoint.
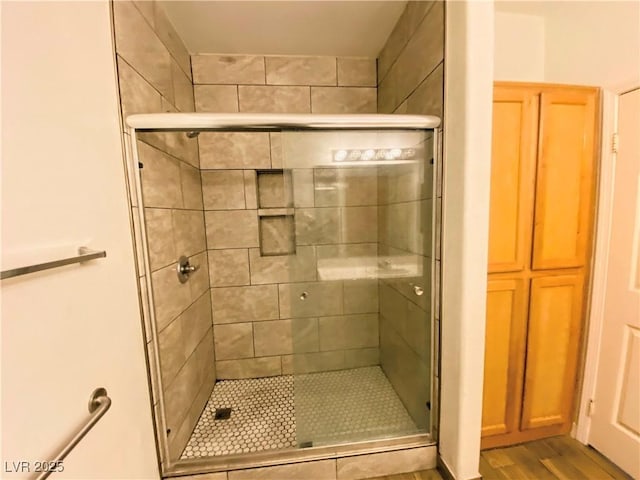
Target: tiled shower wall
[
  {"x": 154, "y": 73},
  {"x": 410, "y": 80},
  {"x": 261, "y": 325}
]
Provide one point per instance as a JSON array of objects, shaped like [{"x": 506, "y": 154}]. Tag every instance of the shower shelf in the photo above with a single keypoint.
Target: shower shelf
[{"x": 84, "y": 255}]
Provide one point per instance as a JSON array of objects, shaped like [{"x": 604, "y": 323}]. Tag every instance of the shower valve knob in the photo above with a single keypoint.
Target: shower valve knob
[{"x": 184, "y": 269}]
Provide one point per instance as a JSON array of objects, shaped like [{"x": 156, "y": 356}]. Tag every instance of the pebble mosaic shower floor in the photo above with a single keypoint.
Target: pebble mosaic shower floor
[{"x": 332, "y": 407}]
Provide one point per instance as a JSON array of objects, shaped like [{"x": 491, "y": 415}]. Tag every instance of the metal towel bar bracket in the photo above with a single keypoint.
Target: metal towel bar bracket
[
  {"x": 99, "y": 403},
  {"x": 84, "y": 254}
]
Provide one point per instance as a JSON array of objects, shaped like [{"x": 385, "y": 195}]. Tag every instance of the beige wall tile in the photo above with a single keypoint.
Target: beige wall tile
[
  {"x": 162, "y": 247},
  {"x": 234, "y": 150},
  {"x": 147, "y": 9},
  {"x": 387, "y": 463},
  {"x": 191, "y": 187},
  {"x": 228, "y": 268},
  {"x": 232, "y": 229},
  {"x": 176, "y": 144},
  {"x": 417, "y": 331},
  {"x": 323, "y": 298},
  {"x": 361, "y": 357},
  {"x": 345, "y": 186},
  {"x": 284, "y": 337},
  {"x": 136, "y": 94},
  {"x": 196, "y": 322},
  {"x": 273, "y": 338},
  {"x": 317, "y": 225},
  {"x": 428, "y": 99},
  {"x": 357, "y": 72},
  {"x": 250, "y": 189},
  {"x": 188, "y": 232},
  {"x": 301, "y": 70},
  {"x": 223, "y": 190},
  {"x": 274, "y": 189},
  {"x": 199, "y": 280},
  {"x": 360, "y": 296},
  {"x": 228, "y": 69},
  {"x": 170, "y": 38},
  {"x": 180, "y": 393},
  {"x": 313, "y": 362},
  {"x": 216, "y": 98},
  {"x": 138, "y": 44},
  {"x": 408, "y": 374},
  {"x": 205, "y": 359},
  {"x": 243, "y": 304},
  {"x": 170, "y": 296},
  {"x": 249, "y": 368},
  {"x": 424, "y": 51},
  {"x": 395, "y": 43},
  {"x": 348, "y": 331},
  {"x": 297, "y": 267},
  {"x": 182, "y": 89},
  {"x": 276, "y": 149},
  {"x": 389, "y": 95},
  {"x": 393, "y": 305},
  {"x": 233, "y": 341},
  {"x": 160, "y": 178},
  {"x": 416, "y": 11},
  {"x": 172, "y": 356},
  {"x": 317, "y": 470},
  {"x": 359, "y": 224},
  {"x": 270, "y": 99},
  {"x": 343, "y": 100},
  {"x": 303, "y": 191},
  {"x": 277, "y": 235}
]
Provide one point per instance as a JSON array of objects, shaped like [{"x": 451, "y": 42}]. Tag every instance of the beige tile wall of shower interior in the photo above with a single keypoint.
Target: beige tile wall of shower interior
[{"x": 222, "y": 197}]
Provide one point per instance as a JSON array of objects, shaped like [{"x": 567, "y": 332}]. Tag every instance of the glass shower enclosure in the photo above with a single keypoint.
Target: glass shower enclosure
[{"x": 338, "y": 304}]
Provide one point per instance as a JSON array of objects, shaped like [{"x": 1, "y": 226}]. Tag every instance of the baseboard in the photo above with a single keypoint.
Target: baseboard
[{"x": 445, "y": 472}]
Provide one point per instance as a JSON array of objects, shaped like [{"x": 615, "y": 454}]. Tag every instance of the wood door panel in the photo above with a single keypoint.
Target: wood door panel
[
  {"x": 515, "y": 117},
  {"x": 555, "y": 317},
  {"x": 564, "y": 188},
  {"x": 504, "y": 355}
]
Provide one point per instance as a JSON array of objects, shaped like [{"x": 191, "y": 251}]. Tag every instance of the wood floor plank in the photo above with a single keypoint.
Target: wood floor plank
[
  {"x": 540, "y": 449},
  {"x": 522, "y": 456},
  {"x": 562, "y": 469},
  {"x": 487, "y": 471},
  {"x": 497, "y": 458}
]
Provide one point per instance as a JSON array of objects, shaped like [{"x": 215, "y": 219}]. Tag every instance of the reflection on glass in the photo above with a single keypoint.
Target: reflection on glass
[{"x": 362, "y": 330}]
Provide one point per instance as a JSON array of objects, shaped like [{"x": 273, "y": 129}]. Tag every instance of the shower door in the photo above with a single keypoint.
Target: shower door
[{"x": 360, "y": 225}]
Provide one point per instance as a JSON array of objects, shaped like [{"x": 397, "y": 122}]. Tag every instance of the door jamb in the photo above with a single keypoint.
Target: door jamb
[{"x": 609, "y": 126}]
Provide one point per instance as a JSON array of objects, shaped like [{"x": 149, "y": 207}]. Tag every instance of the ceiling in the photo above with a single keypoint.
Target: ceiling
[{"x": 303, "y": 27}]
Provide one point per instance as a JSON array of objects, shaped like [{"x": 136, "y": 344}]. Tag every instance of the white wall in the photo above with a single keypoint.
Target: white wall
[
  {"x": 593, "y": 43},
  {"x": 519, "y": 47},
  {"x": 467, "y": 149},
  {"x": 585, "y": 42},
  {"x": 69, "y": 330}
]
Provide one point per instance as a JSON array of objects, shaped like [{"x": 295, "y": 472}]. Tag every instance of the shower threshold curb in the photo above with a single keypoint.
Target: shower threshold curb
[{"x": 287, "y": 457}]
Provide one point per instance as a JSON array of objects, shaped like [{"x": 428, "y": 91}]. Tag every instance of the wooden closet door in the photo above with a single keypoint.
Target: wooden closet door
[
  {"x": 504, "y": 355},
  {"x": 514, "y": 143},
  {"x": 555, "y": 319},
  {"x": 564, "y": 188}
]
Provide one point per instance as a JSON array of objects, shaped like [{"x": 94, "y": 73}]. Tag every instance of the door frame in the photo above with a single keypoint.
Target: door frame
[{"x": 600, "y": 263}]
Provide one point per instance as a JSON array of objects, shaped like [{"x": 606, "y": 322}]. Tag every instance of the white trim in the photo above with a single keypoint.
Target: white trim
[
  {"x": 258, "y": 121},
  {"x": 600, "y": 262}
]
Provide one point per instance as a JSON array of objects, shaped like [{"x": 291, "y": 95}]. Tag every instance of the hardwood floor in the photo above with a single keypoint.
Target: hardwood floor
[{"x": 557, "y": 458}]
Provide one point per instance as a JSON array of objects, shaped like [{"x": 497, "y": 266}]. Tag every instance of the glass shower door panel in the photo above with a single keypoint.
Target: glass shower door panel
[{"x": 360, "y": 328}]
